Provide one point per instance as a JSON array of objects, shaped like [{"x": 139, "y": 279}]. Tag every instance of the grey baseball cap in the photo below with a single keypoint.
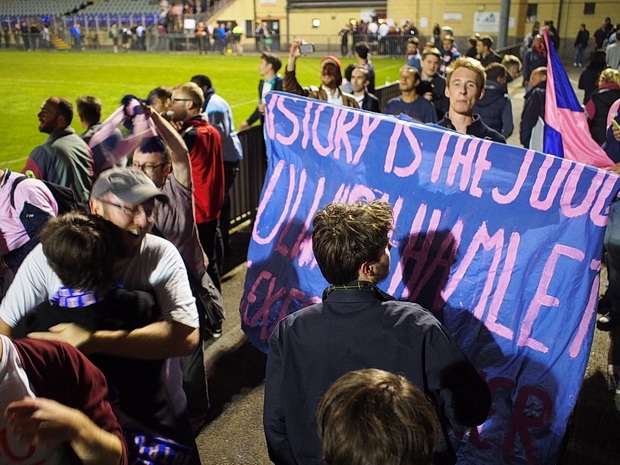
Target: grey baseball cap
[{"x": 129, "y": 185}]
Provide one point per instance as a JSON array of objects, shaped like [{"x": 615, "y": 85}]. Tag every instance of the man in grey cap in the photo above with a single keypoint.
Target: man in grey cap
[{"x": 126, "y": 198}]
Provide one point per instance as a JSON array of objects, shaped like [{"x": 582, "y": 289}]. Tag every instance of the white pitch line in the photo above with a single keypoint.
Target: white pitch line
[
  {"x": 51, "y": 81},
  {"x": 15, "y": 161}
]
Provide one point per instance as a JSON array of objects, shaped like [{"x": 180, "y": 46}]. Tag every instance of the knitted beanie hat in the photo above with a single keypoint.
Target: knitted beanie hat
[{"x": 336, "y": 61}]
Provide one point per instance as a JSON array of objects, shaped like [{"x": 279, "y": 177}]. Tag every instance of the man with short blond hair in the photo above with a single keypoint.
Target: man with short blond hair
[
  {"x": 205, "y": 152},
  {"x": 465, "y": 86}
]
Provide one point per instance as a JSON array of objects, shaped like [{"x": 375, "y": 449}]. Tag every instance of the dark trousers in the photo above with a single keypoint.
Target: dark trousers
[
  {"x": 211, "y": 239},
  {"x": 195, "y": 383}
]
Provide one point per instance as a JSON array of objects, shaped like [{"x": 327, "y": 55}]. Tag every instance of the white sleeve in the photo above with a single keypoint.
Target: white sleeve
[
  {"x": 167, "y": 277},
  {"x": 32, "y": 285},
  {"x": 172, "y": 289}
]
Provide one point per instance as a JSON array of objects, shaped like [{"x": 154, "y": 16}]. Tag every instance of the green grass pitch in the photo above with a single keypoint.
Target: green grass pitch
[{"x": 28, "y": 78}]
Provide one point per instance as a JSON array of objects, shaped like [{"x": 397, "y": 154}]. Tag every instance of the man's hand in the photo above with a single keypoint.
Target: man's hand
[
  {"x": 616, "y": 167},
  {"x": 147, "y": 109},
  {"x": 66, "y": 332},
  {"x": 45, "y": 421},
  {"x": 616, "y": 133},
  {"x": 42, "y": 421},
  {"x": 294, "y": 50}
]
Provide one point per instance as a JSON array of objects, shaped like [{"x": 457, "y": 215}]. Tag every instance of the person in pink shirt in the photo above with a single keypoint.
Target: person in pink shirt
[{"x": 25, "y": 208}]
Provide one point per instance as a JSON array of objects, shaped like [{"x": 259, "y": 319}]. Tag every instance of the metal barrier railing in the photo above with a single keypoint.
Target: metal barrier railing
[{"x": 246, "y": 190}]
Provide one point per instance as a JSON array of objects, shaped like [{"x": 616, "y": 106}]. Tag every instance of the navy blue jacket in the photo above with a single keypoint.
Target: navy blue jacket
[
  {"x": 351, "y": 330},
  {"x": 533, "y": 107},
  {"x": 495, "y": 108}
]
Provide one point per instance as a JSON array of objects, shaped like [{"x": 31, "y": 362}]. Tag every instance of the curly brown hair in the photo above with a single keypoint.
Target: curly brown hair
[{"x": 347, "y": 235}]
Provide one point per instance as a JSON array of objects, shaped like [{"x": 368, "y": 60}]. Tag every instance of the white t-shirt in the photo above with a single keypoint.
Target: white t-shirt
[{"x": 158, "y": 267}]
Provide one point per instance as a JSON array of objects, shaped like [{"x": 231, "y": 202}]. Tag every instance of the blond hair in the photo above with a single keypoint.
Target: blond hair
[
  {"x": 608, "y": 76},
  {"x": 194, "y": 92},
  {"x": 471, "y": 64}
]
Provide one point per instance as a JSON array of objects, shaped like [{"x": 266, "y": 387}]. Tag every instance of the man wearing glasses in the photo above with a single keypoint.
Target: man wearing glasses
[
  {"x": 165, "y": 160},
  {"x": 126, "y": 198},
  {"x": 205, "y": 152}
]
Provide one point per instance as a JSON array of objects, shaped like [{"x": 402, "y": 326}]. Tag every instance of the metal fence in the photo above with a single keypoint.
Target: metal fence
[{"x": 248, "y": 184}]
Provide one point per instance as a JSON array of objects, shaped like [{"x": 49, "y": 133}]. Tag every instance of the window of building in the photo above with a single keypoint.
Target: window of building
[
  {"x": 532, "y": 12},
  {"x": 588, "y": 8}
]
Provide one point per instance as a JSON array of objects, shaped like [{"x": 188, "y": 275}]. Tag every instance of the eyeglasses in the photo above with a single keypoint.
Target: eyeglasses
[
  {"x": 147, "y": 167},
  {"x": 132, "y": 211},
  {"x": 181, "y": 99}
]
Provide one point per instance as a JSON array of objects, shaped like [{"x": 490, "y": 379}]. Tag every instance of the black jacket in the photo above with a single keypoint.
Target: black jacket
[
  {"x": 277, "y": 85},
  {"x": 582, "y": 38},
  {"x": 603, "y": 99},
  {"x": 533, "y": 107},
  {"x": 477, "y": 129},
  {"x": 371, "y": 103},
  {"x": 350, "y": 330},
  {"x": 492, "y": 105}
]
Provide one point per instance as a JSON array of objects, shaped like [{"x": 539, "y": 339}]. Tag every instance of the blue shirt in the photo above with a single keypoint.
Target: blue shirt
[{"x": 420, "y": 109}]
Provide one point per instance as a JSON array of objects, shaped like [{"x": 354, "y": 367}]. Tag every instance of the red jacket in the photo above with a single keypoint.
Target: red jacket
[{"x": 205, "y": 151}]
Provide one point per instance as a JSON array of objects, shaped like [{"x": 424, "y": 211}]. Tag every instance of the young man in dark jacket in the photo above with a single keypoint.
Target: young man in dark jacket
[
  {"x": 495, "y": 107},
  {"x": 533, "y": 115},
  {"x": 464, "y": 87}
]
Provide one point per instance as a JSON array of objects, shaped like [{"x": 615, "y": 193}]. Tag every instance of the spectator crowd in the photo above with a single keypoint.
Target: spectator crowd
[{"x": 113, "y": 244}]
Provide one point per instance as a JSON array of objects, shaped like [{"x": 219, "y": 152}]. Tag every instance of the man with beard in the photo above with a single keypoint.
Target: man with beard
[
  {"x": 330, "y": 75},
  {"x": 64, "y": 158},
  {"x": 166, "y": 162},
  {"x": 205, "y": 152},
  {"x": 359, "y": 326},
  {"x": 125, "y": 198}
]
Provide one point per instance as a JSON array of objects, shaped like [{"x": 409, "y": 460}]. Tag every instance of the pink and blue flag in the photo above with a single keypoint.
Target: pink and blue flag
[{"x": 566, "y": 130}]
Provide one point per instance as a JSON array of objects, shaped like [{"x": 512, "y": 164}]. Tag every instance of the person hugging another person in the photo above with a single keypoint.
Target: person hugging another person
[{"x": 81, "y": 250}]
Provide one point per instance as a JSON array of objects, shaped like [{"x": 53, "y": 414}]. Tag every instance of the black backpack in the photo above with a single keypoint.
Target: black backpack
[{"x": 65, "y": 198}]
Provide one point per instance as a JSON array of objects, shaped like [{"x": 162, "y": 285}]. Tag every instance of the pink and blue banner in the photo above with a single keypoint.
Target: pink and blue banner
[
  {"x": 503, "y": 245},
  {"x": 567, "y": 133}
]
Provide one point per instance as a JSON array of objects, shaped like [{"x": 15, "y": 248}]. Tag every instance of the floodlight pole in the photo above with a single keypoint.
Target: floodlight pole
[{"x": 504, "y": 16}]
